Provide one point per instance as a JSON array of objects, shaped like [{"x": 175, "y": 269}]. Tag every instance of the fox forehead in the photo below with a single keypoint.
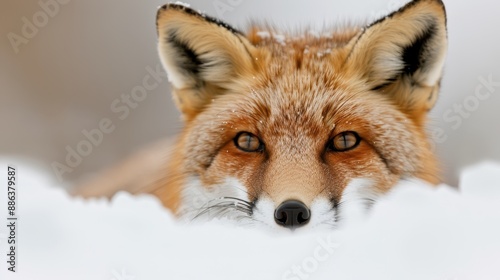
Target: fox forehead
[{"x": 297, "y": 104}]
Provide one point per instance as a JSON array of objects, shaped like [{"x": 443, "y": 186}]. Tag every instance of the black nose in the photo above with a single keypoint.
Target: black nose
[{"x": 292, "y": 214}]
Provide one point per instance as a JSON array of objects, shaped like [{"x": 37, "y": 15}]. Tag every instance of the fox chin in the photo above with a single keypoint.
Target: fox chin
[{"x": 291, "y": 130}]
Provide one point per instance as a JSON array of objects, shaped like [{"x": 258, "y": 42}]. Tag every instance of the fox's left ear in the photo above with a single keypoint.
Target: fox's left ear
[
  {"x": 402, "y": 55},
  {"x": 203, "y": 56}
]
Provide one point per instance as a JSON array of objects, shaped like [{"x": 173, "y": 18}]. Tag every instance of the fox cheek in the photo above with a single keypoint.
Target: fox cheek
[{"x": 246, "y": 170}]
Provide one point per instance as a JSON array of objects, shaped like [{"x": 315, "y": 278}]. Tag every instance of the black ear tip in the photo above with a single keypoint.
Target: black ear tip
[
  {"x": 178, "y": 7},
  {"x": 187, "y": 10},
  {"x": 408, "y": 6},
  {"x": 174, "y": 7}
]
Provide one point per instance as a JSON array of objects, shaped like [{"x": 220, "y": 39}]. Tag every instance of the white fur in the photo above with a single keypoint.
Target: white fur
[
  {"x": 264, "y": 214},
  {"x": 174, "y": 76},
  {"x": 322, "y": 215},
  {"x": 196, "y": 197},
  {"x": 436, "y": 72},
  {"x": 353, "y": 208}
]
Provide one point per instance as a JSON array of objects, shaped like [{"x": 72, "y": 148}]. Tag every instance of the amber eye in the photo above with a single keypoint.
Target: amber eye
[
  {"x": 344, "y": 141},
  {"x": 248, "y": 142}
]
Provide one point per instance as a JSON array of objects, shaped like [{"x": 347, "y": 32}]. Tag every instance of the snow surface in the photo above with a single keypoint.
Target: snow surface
[{"x": 416, "y": 232}]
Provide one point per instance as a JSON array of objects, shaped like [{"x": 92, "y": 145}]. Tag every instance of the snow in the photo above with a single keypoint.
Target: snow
[
  {"x": 416, "y": 232},
  {"x": 279, "y": 38},
  {"x": 264, "y": 34},
  {"x": 180, "y": 3}
]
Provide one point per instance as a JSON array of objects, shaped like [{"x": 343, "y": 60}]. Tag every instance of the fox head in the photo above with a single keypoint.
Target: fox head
[{"x": 300, "y": 130}]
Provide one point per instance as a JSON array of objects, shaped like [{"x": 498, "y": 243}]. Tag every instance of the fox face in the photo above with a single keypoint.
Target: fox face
[{"x": 299, "y": 130}]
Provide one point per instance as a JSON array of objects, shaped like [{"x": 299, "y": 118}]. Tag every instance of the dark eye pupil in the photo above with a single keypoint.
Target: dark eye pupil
[
  {"x": 344, "y": 138},
  {"x": 246, "y": 141}
]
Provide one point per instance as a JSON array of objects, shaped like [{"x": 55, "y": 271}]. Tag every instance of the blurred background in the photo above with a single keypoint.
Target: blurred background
[{"x": 67, "y": 65}]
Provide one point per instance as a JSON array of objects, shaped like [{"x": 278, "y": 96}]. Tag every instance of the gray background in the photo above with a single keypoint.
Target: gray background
[{"x": 65, "y": 78}]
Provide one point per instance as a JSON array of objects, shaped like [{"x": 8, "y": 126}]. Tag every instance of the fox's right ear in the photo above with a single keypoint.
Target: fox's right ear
[
  {"x": 203, "y": 57},
  {"x": 402, "y": 55}
]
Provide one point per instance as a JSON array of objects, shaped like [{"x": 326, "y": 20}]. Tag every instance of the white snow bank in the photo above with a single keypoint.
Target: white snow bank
[{"x": 414, "y": 233}]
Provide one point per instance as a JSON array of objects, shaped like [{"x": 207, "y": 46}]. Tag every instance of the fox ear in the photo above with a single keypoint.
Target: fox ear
[
  {"x": 202, "y": 56},
  {"x": 402, "y": 55}
]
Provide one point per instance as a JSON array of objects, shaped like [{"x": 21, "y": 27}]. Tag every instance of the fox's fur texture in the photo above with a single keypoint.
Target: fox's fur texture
[{"x": 293, "y": 94}]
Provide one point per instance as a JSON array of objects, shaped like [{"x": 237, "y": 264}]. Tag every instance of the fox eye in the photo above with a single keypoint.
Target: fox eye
[
  {"x": 344, "y": 141},
  {"x": 248, "y": 142}
]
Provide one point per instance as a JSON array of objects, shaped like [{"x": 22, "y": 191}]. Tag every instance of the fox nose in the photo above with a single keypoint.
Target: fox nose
[{"x": 292, "y": 214}]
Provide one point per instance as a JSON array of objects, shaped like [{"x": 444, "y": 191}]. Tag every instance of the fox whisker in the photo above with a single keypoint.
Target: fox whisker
[{"x": 225, "y": 206}]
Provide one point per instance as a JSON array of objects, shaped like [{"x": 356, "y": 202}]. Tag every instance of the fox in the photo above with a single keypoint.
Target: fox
[{"x": 291, "y": 129}]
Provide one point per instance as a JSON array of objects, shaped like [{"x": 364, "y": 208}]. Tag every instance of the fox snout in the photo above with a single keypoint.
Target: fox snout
[{"x": 292, "y": 214}]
